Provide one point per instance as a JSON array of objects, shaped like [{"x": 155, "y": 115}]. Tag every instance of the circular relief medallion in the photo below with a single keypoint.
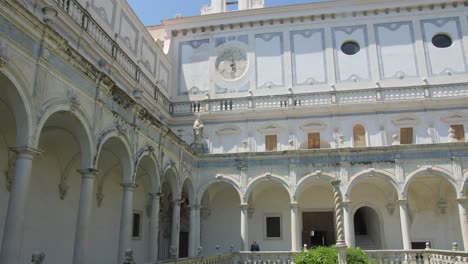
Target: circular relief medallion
[{"x": 231, "y": 63}]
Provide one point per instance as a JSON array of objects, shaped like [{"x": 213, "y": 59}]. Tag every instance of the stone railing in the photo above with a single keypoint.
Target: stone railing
[
  {"x": 217, "y": 259},
  {"x": 264, "y": 257},
  {"x": 83, "y": 19},
  {"x": 321, "y": 99},
  {"x": 423, "y": 256}
]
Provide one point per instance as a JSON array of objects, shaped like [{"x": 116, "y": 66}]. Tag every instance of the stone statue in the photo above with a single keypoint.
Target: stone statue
[
  {"x": 198, "y": 130},
  {"x": 198, "y": 141}
]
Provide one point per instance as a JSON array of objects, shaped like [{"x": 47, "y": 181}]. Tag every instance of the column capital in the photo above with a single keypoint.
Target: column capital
[
  {"x": 294, "y": 205},
  {"x": 177, "y": 201},
  {"x": 26, "y": 150},
  {"x": 129, "y": 185},
  {"x": 195, "y": 206},
  {"x": 462, "y": 200},
  {"x": 244, "y": 206},
  {"x": 402, "y": 201},
  {"x": 336, "y": 183},
  {"x": 156, "y": 195},
  {"x": 346, "y": 203},
  {"x": 88, "y": 173}
]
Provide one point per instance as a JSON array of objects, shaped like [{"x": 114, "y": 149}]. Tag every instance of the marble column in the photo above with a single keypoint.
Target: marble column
[
  {"x": 175, "y": 234},
  {"x": 194, "y": 229},
  {"x": 348, "y": 225},
  {"x": 340, "y": 237},
  {"x": 295, "y": 244},
  {"x": 126, "y": 219},
  {"x": 462, "y": 211},
  {"x": 404, "y": 222},
  {"x": 80, "y": 250},
  {"x": 245, "y": 227},
  {"x": 14, "y": 222},
  {"x": 154, "y": 227}
]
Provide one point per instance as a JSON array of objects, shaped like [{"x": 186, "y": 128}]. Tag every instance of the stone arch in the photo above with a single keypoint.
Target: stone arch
[
  {"x": 13, "y": 88},
  {"x": 380, "y": 218},
  {"x": 190, "y": 189},
  {"x": 151, "y": 168},
  {"x": 464, "y": 188},
  {"x": 225, "y": 178},
  {"x": 356, "y": 178},
  {"x": 125, "y": 151},
  {"x": 428, "y": 171},
  {"x": 304, "y": 181},
  {"x": 84, "y": 137},
  {"x": 266, "y": 177},
  {"x": 171, "y": 174}
]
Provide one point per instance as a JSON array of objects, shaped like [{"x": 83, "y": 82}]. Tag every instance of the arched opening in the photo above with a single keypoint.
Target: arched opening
[
  {"x": 316, "y": 210},
  {"x": 114, "y": 165},
  {"x": 359, "y": 136},
  {"x": 147, "y": 184},
  {"x": 367, "y": 229},
  {"x": 269, "y": 216},
  {"x": 169, "y": 194},
  {"x": 56, "y": 183},
  {"x": 220, "y": 218},
  {"x": 14, "y": 131},
  {"x": 187, "y": 198},
  {"x": 432, "y": 206},
  {"x": 377, "y": 192}
]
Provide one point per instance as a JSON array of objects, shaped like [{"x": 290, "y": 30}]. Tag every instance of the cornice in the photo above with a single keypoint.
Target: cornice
[{"x": 313, "y": 12}]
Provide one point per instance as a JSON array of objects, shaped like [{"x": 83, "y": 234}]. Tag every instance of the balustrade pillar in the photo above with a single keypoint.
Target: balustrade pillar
[
  {"x": 126, "y": 218},
  {"x": 80, "y": 251},
  {"x": 404, "y": 221},
  {"x": 462, "y": 211},
  {"x": 154, "y": 227},
  {"x": 348, "y": 225},
  {"x": 175, "y": 235},
  {"x": 295, "y": 244},
  {"x": 340, "y": 238},
  {"x": 245, "y": 227},
  {"x": 194, "y": 241},
  {"x": 14, "y": 222}
]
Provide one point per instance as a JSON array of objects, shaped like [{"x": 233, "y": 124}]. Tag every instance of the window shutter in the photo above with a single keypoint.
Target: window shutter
[
  {"x": 459, "y": 132},
  {"x": 314, "y": 140},
  {"x": 406, "y": 135},
  {"x": 270, "y": 143}
]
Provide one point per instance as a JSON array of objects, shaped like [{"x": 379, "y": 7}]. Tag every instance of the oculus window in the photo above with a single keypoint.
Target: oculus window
[
  {"x": 350, "y": 48},
  {"x": 442, "y": 41},
  {"x": 273, "y": 228}
]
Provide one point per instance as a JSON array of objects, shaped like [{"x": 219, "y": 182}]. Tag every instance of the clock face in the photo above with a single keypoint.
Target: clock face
[{"x": 231, "y": 63}]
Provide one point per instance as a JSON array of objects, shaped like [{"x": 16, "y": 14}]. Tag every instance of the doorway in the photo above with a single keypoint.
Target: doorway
[
  {"x": 367, "y": 229},
  {"x": 318, "y": 229},
  {"x": 183, "y": 244}
]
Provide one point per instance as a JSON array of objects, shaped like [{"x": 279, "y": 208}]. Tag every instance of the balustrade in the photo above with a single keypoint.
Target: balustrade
[{"x": 83, "y": 19}]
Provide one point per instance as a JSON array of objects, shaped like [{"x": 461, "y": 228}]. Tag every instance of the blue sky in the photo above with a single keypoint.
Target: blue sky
[{"x": 151, "y": 12}]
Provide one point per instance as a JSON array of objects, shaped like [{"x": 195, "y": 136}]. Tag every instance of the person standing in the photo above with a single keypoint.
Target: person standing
[{"x": 254, "y": 246}]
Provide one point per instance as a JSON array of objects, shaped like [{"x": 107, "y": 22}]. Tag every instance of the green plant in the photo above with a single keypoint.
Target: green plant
[{"x": 329, "y": 255}]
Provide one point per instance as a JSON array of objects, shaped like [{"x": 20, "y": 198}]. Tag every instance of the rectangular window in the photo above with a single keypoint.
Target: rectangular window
[
  {"x": 459, "y": 132},
  {"x": 136, "y": 226},
  {"x": 270, "y": 143},
  {"x": 314, "y": 140},
  {"x": 406, "y": 135},
  {"x": 273, "y": 226}
]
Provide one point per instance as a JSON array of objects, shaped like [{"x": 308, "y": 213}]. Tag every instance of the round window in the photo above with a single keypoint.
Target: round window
[
  {"x": 442, "y": 41},
  {"x": 350, "y": 48}
]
